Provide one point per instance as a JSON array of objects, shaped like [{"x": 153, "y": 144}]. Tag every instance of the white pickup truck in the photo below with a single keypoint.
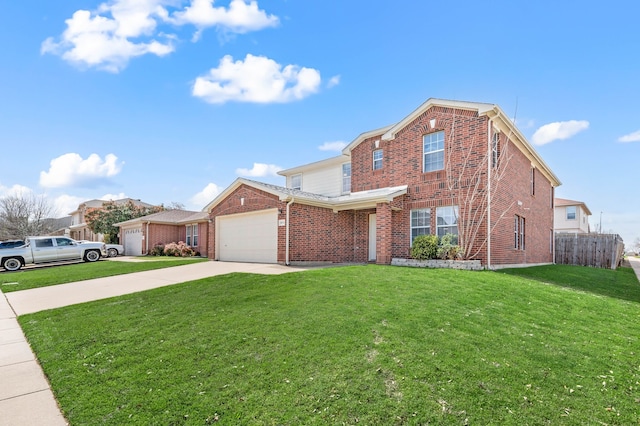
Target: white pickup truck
[{"x": 50, "y": 249}]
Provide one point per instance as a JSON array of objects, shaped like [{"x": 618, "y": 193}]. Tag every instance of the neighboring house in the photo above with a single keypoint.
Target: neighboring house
[
  {"x": 79, "y": 230},
  {"x": 571, "y": 216},
  {"x": 140, "y": 235},
  {"x": 448, "y": 167}
]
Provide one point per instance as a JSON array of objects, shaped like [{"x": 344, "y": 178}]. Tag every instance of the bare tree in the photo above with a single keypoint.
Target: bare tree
[
  {"x": 473, "y": 174},
  {"x": 22, "y": 215}
]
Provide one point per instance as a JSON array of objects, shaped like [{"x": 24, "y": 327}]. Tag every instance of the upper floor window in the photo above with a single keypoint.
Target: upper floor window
[
  {"x": 296, "y": 181},
  {"x": 420, "y": 223},
  {"x": 447, "y": 220},
  {"x": 433, "y": 147},
  {"x": 495, "y": 149},
  {"x": 571, "y": 212},
  {"x": 533, "y": 181},
  {"x": 346, "y": 178},
  {"x": 377, "y": 159}
]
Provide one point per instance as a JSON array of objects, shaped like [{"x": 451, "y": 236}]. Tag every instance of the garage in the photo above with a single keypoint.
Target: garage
[
  {"x": 133, "y": 242},
  {"x": 248, "y": 237}
]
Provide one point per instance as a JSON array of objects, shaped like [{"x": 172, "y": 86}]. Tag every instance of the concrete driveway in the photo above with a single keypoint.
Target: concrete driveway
[
  {"x": 40, "y": 299},
  {"x": 25, "y": 395}
]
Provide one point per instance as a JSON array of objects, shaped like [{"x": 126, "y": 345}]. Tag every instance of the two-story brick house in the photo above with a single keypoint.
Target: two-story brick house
[{"x": 448, "y": 167}]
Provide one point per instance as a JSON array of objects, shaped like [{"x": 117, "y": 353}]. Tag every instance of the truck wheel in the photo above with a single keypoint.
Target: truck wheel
[
  {"x": 112, "y": 252},
  {"x": 92, "y": 256},
  {"x": 12, "y": 264}
]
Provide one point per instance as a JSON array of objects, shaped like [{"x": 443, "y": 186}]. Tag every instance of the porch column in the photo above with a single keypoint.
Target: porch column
[{"x": 383, "y": 233}]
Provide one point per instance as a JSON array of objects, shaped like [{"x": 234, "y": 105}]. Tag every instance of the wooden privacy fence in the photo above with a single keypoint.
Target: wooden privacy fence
[{"x": 597, "y": 250}]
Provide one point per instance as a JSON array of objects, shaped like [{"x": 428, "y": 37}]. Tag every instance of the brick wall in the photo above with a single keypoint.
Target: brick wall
[
  {"x": 466, "y": 148},
  {"x": 320, "y": 235}
]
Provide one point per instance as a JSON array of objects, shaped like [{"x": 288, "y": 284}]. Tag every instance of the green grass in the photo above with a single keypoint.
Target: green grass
[
  {"x": 361, "y": 344},
  {"x": 60, "y": 274},
  {"x": 621, "y": 283}
]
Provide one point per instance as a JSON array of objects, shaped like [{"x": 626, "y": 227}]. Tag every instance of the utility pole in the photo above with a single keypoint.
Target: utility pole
[{"x": 600, "y": 230}]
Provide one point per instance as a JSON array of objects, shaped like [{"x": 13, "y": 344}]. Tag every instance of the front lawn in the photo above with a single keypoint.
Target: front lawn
[
  {"x": 60, "y": 274},
  {"x": 360, "y": 344},
  {"x": 621, "y": 283}
]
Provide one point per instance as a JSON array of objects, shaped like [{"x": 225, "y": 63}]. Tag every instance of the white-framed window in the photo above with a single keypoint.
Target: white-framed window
[
  {"x": 447, "y": 220},
  {"x": 553, "y": 194},
  {"x": 195, "y": 235},
  {"x": 571, "y": 212},
  {"x": 346, "y": 178},
  {"x": 377, "y": 159},
  {"x": 495, "y": 149},
  {"x": 296, "y": 181},
  {"x": 533, "y": 181},
  {"x": 420, "y": 223},
  {"x": 192, "y": 235},
  {"x": 433, "y": 148},
  {"x": 518, "y": 232}
]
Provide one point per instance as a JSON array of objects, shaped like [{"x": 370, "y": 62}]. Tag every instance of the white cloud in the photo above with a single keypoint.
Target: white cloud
[
  {"x": 15, "y": 190},
  {"x": 256, "y": 79},
  {"x": 631, "y": 137},
  {"x": 559, "y": 130},
  {"x": 94, "y": 40},
  {"x": 113, "y": 197},
  {"x": 119, "y": 30},
  {"x": 66, "y": 204},
  {"x": 260, "y": 170},
  {"x": 332, "y": 146},
  {"x": 205, "y": 196},
  {"x": 71, "y": 170},
  {"x": 241, "y": 17},
  {"x": 524, "y": 123},
  {"x": 333, "y": 81}
]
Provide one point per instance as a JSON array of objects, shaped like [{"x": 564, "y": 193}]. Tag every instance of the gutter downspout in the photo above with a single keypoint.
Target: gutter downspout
[
  {"x": 146, "y": 240},
  {"x": 490, "y": 154},
  {"x": 286, "y": 256}
]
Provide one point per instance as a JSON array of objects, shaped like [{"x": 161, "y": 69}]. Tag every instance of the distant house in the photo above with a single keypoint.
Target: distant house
[
  {"x": 571, "y": 216},
  {"x": 79, "y": 230},
  {"x": 140, "y": 235},
  {"x": 449, "y": 167}
]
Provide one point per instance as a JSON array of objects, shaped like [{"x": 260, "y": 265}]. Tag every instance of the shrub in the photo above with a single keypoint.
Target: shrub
[
  {"x": 449, "y": 248},
  {"x": 157, "y": 250},
  {"x": 179, "y": 249},
  {"x": 424, "y": 247}
]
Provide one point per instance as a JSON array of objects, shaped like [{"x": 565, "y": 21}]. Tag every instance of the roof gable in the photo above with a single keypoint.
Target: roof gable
[
  {"x": 171, "y": 217},
  {"x": 499, "y": 120},
  {"x": 354, "y": 200}
]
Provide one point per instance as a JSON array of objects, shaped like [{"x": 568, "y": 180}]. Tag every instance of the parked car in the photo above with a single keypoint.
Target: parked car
[
  {"x": 50, "y": 249},
  {"x": 11, "y": 244},
  {"x": 113, "y": 250}
]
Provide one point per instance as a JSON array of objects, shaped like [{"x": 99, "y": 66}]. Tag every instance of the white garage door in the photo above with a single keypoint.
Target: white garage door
[
  {"x": 249, "y": 237},
  {"x": 133, "y": 242}
]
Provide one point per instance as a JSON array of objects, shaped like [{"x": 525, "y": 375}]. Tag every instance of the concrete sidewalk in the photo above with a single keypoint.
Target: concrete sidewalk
[
  {"x": 635, "y": 264},
  {"x": 25, "y": 395}
]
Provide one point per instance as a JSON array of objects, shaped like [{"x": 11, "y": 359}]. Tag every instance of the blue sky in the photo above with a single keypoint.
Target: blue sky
[{"x": 170, "y": 101}]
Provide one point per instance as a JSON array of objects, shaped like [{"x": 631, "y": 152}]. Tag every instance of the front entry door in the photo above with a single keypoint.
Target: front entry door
[{"x": 372, "y": 237}]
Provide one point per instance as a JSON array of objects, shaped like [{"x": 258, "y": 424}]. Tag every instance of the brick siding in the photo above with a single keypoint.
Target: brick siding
[{"x": 319, "y": 234}]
